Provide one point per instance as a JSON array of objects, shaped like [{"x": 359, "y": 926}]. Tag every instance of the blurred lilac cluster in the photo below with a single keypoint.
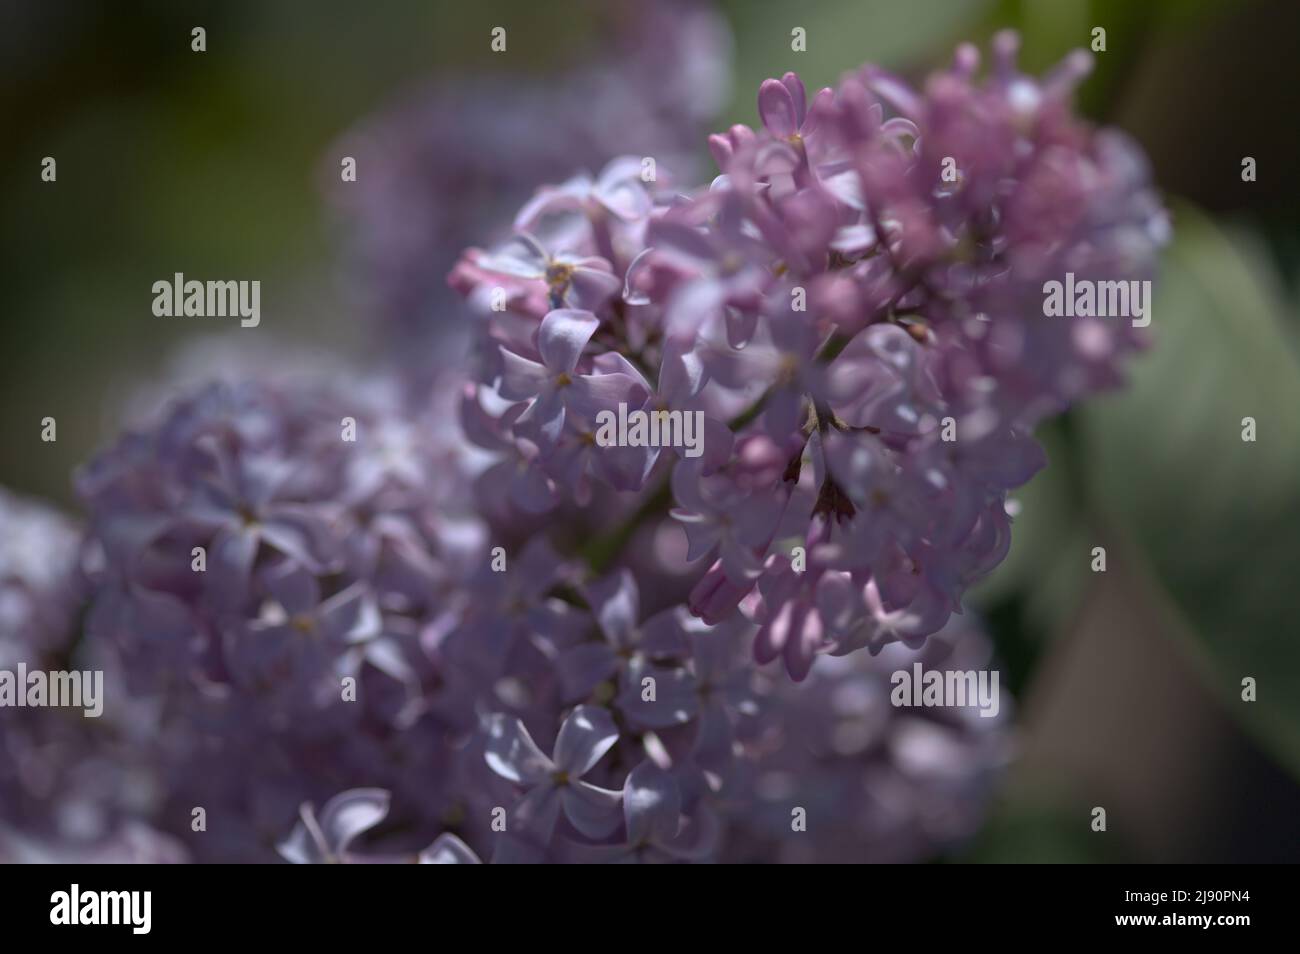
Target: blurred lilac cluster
[
  {"x": 465, "y": 152},
  {"x": 292, "y": 653},
  {"x": 71, "y": 789},
  {"x": 446, "y": 622}
]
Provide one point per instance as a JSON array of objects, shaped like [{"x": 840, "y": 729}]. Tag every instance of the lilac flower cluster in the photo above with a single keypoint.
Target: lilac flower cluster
[
  {"x": 862, "y": 332},
  {"x": 709, "y": 765},
  {"x": 539, "y": 713},
  {"x": 269, "y": 582}
]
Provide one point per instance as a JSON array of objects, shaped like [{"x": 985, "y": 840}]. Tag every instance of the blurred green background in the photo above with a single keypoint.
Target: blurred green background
[{"x": 1128, "y": 682}]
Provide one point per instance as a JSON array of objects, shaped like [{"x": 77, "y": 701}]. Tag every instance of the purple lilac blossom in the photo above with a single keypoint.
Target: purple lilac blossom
[
  {"x": 326, "y": 562},
  {"x": 328, "y": 838},
  {"x": 713, "y": 769},
  {"x": 522, "y": 692},
  {"x": 865, "y": 339}
]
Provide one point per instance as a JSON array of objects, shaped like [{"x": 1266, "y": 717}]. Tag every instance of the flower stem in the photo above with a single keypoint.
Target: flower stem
[{"x": 601, "y": 552}]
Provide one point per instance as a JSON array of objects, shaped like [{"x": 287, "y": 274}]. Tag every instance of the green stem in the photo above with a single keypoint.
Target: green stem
[{"x": 601, "y": 552}]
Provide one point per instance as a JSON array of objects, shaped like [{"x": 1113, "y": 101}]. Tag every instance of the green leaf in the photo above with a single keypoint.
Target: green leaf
[{"x": 1216, "y": 519}]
